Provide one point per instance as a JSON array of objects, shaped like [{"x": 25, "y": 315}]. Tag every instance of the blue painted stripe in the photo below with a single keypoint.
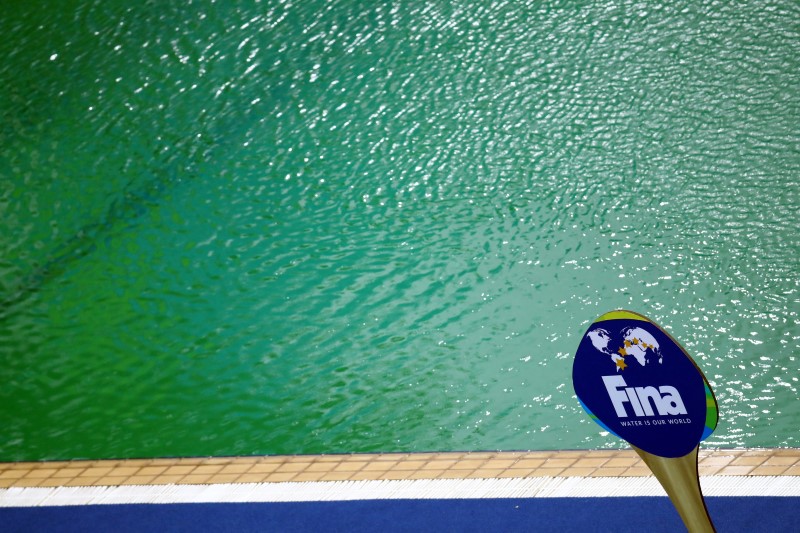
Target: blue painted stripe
[{"x": 629, "y": 514}]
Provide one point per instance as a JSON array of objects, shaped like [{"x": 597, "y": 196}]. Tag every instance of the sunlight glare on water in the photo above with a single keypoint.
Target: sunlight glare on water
[{"x": 321, "y": 227}]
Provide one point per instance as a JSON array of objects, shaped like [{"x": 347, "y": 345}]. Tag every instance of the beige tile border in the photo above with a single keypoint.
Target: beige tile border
[{"x": 394, "y": 466}]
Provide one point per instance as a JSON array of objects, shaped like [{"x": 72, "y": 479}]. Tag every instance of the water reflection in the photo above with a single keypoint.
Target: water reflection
[{"x": 318, "y": 227}]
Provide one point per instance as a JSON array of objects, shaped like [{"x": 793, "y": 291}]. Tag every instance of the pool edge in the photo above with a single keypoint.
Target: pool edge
[{"x": 382, "y": 467}]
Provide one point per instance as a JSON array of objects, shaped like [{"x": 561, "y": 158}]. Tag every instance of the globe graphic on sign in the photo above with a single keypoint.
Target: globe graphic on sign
[{"x": 632, "y": 346}]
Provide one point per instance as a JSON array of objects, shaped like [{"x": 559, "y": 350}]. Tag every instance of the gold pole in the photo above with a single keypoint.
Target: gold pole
[{"x": 679, "y": 477}]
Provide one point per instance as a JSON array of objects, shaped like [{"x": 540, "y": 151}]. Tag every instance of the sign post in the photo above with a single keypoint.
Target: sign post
[{"x": 638, "y": 383}]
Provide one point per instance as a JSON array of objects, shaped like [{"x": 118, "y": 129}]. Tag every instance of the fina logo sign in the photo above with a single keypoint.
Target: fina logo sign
[
  {"x": 640, "y": 397},
  {"x": 638, "y": 383},
  {"x": 638, "y": 347}
]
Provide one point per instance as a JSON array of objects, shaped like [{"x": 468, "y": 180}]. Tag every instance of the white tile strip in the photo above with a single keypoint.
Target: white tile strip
[{"x": 554, "y": 487}]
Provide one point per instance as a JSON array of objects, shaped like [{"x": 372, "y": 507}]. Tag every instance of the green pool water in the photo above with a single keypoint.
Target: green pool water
[{"x": 316, "y": 227}]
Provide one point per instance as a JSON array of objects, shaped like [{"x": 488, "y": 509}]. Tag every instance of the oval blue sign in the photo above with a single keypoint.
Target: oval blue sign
[{"x": 638, "y": 383}]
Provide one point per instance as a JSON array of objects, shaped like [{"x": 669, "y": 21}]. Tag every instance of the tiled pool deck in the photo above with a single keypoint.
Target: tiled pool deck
[{"x": 388, "y": 466}]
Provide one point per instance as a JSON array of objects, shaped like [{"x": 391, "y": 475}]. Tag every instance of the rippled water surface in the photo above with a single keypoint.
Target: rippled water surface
[{"x": 315, "y": 227}]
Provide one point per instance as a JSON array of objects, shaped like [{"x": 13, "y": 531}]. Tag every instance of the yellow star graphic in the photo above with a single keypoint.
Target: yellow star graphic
[
  {"x": 622, "y": 352},
  {"x": 627, "y": 343},
  {"x": 621, "y": 364}
]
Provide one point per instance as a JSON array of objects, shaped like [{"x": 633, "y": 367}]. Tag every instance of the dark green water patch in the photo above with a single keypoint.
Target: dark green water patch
[{"x": 319, "y": 227}]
